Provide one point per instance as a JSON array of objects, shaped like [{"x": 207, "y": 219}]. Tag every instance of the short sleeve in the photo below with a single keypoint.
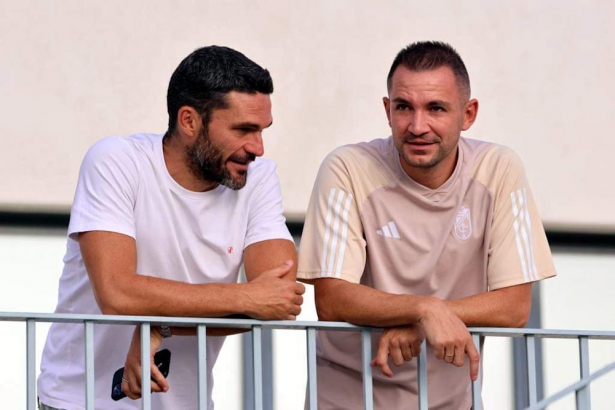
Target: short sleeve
[
  {"x": 266, "y": 215},
  {"x": 332, "y": 244},
  {"x": 106, "y": 190},
  {"x": 518, "y": 248}
]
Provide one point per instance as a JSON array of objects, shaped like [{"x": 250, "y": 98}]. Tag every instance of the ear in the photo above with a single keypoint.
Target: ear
[
  {"x": 387, "y": 105},
  {"x": 469, "y": 115},
  {"x": 189, "y": 122}
]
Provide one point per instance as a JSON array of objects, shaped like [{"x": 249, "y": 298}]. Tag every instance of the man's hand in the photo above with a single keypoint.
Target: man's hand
[
  {"x": 402, "y": 343},
  {"x": 131, "y": 381},
  {"x": 269, "y": 297},
  {"x": 449, "y": 337}
]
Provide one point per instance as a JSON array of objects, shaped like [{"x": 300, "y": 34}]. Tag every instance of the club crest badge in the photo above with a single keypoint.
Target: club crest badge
[{"x": 463, "y": 224}]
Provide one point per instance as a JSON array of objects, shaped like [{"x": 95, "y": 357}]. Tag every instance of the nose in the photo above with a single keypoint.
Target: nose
[
  {"x": 255, "y": 145},
  {"x": 418, "y": 123}
]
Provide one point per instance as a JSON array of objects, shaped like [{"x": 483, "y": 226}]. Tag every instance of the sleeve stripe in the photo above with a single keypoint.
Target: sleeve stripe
[
  {"x": 323, "y": 262},
  {"x": 338, "y": 206},
  {"x": 336, "y": 225},
  {"x": 522, "y": 223},
  {"x": 531, "y": 236},
  {"x": 340, "y": 259}
]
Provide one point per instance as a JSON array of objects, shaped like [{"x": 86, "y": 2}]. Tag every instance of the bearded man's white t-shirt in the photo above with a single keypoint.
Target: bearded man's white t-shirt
[{"x": 193, "y": 237}]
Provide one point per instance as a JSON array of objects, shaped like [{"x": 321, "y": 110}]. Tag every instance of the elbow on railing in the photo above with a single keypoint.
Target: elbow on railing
[
  {"x": 326, "y": 311},
  {"x": 118, "y": 305},
  {"x": 517, "y": 318}
]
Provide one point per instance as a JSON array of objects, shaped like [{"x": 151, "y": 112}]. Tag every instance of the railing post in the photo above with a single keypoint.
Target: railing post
[
  {"x": 202, "y": 367},
  {"x": 477, "y": 401},
  {"x": 368, "y": 393},
  {"x": 89, "y": 365},
  {"x": 146, "y": 396},
  {"x": 31, "y": 363},
  {"x": 583, "y": 395},
  {"x": 421, "y": 369},
  {"x": 312, "y": 384},
  {"x": 530, "y": 343},
  {"x": 258, "y": 367}
]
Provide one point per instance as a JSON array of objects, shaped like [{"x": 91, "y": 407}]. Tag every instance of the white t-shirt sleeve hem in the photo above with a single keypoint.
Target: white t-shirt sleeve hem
[
  {"x": 88, "y": 227},
  {"x": 282, "y": 234}
]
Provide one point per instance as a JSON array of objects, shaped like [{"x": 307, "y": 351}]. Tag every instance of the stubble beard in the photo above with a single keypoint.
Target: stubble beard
[{"x": 206, "y": 162}]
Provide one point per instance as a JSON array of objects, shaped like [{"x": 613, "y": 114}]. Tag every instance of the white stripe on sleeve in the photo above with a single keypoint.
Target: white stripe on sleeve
[
  {"x": 515, "y": 210},
  {"x": 340, "y": 258},
  {"x": 327, "y": 232}
]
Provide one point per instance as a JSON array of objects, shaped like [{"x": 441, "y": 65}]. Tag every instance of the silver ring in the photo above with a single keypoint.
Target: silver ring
[{"x": 125, "y": 380}]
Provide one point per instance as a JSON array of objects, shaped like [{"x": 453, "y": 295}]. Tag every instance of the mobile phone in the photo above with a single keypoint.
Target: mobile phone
[{"x": 162, "y": 360}]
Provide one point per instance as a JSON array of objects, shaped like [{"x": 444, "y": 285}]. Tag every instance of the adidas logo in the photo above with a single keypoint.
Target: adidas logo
[{"x": 389, "y": 230}]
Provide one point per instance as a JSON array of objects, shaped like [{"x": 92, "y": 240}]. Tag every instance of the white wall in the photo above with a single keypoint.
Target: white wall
[{"x": 72, "y": 72}]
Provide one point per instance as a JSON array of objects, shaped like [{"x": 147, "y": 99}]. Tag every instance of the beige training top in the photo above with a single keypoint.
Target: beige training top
[{"x": 368, "y": 222}]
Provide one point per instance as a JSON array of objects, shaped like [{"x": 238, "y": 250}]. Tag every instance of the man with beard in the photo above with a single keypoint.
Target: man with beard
[
  {"x": 422, "y": 233},
  {"x": 160, "y": 226}
]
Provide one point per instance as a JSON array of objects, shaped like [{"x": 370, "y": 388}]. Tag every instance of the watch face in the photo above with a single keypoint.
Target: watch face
[{"x": 165, "y": 331}]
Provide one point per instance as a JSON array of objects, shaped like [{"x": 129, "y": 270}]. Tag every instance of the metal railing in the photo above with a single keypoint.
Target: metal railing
[{"x": 580, "y": 388}]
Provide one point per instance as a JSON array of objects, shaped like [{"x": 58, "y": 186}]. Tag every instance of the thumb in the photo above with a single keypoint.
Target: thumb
[{"x": 279, "y": 270}]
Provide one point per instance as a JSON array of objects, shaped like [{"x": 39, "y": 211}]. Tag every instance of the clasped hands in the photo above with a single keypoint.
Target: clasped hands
[{"x": 442, "y": 329}]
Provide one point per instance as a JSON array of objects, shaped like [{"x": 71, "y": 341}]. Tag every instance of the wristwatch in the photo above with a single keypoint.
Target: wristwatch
[{"x": 165, "y": 331}]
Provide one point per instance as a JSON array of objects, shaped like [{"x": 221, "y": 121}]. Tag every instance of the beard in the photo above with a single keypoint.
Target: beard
[{"x": 206, "y": 162}]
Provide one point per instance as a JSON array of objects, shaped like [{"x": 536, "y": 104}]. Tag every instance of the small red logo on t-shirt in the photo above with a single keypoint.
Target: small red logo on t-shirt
[{"x": 230, "y": 249}]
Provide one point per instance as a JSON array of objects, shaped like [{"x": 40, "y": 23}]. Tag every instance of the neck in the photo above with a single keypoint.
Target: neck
[{"x": 174, "y": 153}]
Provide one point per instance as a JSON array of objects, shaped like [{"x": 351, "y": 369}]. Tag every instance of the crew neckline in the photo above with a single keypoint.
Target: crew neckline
[{"x": 174, "y": 185}]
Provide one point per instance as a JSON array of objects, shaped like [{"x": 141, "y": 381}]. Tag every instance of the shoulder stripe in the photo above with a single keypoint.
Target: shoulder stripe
[
  {"x": 523, "y": 232},
  {"x": 323, "y": 261},
  {"x": 340, "y": 258},
  {"x": 334, "y": 232}
]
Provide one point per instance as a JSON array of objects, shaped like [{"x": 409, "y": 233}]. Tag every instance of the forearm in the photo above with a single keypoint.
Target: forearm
[
  {"x": 148, "y": 296},
  {"x": 506, "y": 307},
  {"x": 338, "y": 300}
]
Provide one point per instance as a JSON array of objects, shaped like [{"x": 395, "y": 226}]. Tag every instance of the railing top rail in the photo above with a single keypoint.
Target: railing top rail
[{"x": 279, "y": 324}]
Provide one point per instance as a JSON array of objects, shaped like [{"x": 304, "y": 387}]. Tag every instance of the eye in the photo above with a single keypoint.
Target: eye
[
  {"x": 437, "y": 108},
  {"x": 402, "y": 107}
]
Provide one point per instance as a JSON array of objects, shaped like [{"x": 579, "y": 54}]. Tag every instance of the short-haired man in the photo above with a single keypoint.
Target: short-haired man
[
  {"x": 422, "y": 233},
  {"x": 161, "y": 224}
]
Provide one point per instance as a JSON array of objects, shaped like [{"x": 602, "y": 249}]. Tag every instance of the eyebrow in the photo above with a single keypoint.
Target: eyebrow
[
  {"x": 430, "y": 103},
  {"x": 251, "y": 125}
]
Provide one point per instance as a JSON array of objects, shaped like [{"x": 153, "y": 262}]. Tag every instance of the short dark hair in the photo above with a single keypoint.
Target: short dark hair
[
  {"x": 203, "y": 79},
  {"x": 431, "y": 55}
]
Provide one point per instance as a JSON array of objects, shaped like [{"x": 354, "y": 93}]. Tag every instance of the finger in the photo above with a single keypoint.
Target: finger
[
  {"x": 127, "y": 391},
  {"x": 279, "y": 271},
  {"x": 382, "y": 357},
  {"x": 449, "y": 354},
  {"x": 291, "y": 317},
  {"x": 133, "y": 388},
  {"x": 438, "y": 351},
  {"x": 474, "y": 360},
  {"x": 396, "y": 355},
  {"x": 159, "y": 383},
  {"x": 298, "y": 300},
  {"x": 460, "y": 357},
  {"x": 416, "y": 348},
  {"x": 406, "y": 351},
  {"x": 299, "y": 288},
  {"x": 295, "y": 310}
]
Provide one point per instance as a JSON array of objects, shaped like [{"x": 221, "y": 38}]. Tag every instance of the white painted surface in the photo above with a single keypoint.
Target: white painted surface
[{"x": 72, "y": 72}]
